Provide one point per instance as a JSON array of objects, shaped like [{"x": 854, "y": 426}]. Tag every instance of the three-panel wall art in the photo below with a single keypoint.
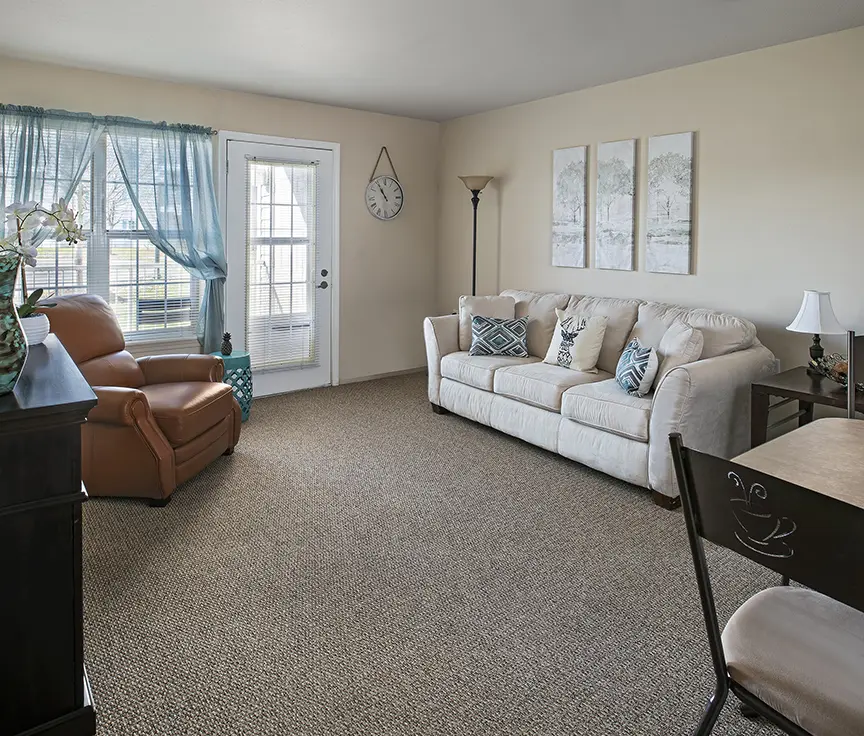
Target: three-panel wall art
[{"x": 667, "y": 217}]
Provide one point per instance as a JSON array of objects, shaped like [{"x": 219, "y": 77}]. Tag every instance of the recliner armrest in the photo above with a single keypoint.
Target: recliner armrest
[
  {"x": 119, "y": 405},
  {"x": 181, "y": 368}
]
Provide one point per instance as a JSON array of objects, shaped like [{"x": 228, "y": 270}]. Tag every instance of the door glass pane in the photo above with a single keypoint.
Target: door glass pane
[{"x": 281, "y": 263}]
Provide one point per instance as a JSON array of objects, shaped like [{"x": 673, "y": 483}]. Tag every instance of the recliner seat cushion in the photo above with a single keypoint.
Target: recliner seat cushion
[
  {"x": 541, "y": 384},
  {"x": 609, "y": 407},
  {"x": 803, "y": 654},
  {"x": 185, "y": 410},
  {"x": 478, "y": 370}
]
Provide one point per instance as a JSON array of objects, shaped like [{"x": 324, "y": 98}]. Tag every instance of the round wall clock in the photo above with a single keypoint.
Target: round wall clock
[{"x": 384, "y": 197}]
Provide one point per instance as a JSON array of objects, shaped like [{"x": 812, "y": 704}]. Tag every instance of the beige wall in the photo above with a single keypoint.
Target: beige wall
[
  {"x": 781, "y": 185},
  {"x": 387, "y": 268}
]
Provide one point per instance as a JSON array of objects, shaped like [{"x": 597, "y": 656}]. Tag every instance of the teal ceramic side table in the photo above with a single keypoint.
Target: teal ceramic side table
[{"x": 238, "y": 375}]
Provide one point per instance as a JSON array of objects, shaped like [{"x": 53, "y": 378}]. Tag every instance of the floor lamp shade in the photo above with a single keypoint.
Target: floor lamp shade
[{"x": 475, "y": 185}]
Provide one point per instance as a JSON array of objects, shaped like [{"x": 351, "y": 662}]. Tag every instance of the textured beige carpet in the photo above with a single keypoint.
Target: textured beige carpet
[{"x": 361, "y": 566}]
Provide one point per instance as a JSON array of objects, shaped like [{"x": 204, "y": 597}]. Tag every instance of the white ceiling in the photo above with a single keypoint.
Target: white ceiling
[{"x": 434, "y": 59}]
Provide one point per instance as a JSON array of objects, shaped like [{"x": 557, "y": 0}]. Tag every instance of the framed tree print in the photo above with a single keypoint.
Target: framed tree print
[
  {"x": 669, "y": 231},
  {"x": 616, "y": 205},
  {"x": 569, "y": 206}
]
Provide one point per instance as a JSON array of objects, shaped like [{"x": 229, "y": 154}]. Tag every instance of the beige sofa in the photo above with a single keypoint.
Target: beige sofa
[{"x": 587, "y": 417}]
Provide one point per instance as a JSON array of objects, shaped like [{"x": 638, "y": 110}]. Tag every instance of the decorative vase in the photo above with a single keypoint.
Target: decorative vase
[
  {"x": 36, "y": 328},
  {"x": 13, "y": 345}
]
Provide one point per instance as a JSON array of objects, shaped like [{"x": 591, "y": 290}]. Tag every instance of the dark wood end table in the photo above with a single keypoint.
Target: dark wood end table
[{"x": 798, "y": 385}]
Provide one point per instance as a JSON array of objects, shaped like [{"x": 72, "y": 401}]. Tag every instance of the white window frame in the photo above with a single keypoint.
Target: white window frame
[{"x": 334, "y": 277}]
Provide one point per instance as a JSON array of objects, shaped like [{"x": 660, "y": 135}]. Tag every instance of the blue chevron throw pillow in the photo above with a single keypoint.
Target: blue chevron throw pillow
[
  {"x": 637, "y": 368},
  {"x": 492, "y": 336}
]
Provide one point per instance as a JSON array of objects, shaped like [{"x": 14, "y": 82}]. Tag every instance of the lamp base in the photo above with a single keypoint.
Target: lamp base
[{"x": 817, "y": 352}]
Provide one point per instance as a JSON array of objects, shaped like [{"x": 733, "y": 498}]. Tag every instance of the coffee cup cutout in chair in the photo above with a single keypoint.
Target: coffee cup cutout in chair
[{"x": 761, "y": 531}]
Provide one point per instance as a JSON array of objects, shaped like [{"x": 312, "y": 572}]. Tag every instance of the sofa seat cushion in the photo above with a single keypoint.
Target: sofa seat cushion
[
  {"x": 185, "y": 410},
  {"x": 541, "y": 384},
  {"x": 607, "y": 406},
  {"x": 478, "y": 370}
]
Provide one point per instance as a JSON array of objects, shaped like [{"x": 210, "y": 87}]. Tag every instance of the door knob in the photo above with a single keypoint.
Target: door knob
[{"x": 322, "y": 285}]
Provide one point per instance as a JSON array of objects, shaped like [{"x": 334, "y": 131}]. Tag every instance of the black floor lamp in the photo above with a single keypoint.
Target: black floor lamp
[{"x": 475, "y": 185}]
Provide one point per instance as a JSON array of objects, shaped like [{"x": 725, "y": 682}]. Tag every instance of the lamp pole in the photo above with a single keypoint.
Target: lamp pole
[
  {"x": 475, "y": 185},
  {"x": 475, "y": 200}
]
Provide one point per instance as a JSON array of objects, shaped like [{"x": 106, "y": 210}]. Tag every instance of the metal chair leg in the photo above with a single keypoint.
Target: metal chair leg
[
  {"x": 749, "y": 713},
  {"x": 712, "y": 713}
]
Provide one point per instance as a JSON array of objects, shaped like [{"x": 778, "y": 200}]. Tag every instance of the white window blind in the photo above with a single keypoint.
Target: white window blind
[
  {"x": 281, "y": 263},
  {"x": 154, "y": 298}
]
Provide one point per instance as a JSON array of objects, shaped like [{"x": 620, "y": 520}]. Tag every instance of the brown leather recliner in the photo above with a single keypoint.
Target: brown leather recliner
[{"x": 159, "y": 420}]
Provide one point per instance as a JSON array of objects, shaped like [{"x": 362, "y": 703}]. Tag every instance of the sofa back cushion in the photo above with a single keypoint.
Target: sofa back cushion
[
  {"x": 499, "y": 307},
  {"x": 722, "y": 333},
  {"x": 540, "y": 310},
  {"x": 621, "y": 315}
]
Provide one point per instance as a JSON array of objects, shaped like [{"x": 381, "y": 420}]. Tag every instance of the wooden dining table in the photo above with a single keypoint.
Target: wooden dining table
[{"x": 825, "y": 456}]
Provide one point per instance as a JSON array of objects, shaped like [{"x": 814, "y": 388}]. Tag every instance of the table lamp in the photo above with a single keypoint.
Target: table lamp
[
  {"x": 816, "y": 317},
  {"x": 475, "y": 185}
]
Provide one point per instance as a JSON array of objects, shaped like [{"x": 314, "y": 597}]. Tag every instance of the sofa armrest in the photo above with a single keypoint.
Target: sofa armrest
[
  {"x": 181, "y": 368},
  {"x": 118, "y": 405},
  {"x": 442, "y": 338},
  {"x": 708, "y": 402}
]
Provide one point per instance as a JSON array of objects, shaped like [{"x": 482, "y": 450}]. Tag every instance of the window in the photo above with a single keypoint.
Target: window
[{"x": 153, "y": 297}]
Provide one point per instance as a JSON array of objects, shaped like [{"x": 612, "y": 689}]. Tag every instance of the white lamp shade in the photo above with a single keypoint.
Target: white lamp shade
[
  {"x": 476, "y": 183},
  {"x": 816, "y": 316}
]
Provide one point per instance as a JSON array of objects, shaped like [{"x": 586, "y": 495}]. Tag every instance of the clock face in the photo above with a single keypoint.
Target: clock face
[{"x": 384, "y": 197}]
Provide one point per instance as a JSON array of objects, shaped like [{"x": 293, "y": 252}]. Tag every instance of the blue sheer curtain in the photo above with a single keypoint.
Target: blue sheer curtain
[
  {"x": 168, "y": 171},
  {"x": 44, "y": 154}
]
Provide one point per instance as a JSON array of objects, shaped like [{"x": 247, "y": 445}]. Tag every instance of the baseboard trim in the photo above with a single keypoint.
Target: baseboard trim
[{"x": 391, "y": 374}]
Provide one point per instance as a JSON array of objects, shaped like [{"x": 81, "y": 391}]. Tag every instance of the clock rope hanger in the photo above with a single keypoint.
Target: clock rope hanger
[{"x": 384, "y": 194}]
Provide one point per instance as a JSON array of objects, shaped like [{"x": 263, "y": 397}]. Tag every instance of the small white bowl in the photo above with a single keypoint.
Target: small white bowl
[{"x": 36, "y": 328}]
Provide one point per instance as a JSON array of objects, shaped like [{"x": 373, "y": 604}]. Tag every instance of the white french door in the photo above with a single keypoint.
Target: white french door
[{"x": 279, "y": 226}]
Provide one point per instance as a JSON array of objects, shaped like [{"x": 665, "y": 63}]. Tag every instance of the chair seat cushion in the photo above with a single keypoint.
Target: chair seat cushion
[
  {"x": 609, "y": 407},
  {"x": 541, "y": 384},
  {"x": 802, "y": 653},
  {"x": 185, "y": 410},
  {"x": 478, "y": 370}
]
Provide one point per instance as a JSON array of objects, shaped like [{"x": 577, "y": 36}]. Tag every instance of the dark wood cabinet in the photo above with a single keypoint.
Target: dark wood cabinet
[{"x": 43, "y": 684}]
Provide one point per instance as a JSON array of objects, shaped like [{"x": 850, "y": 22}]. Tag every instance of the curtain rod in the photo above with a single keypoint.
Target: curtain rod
[{"x": 104, "y": 119}]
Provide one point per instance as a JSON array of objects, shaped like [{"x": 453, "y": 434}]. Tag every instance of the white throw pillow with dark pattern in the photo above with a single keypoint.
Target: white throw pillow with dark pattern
[
  {"x": 576, "y": 341},
  {"x": 493, "y": 336},
  {"x": 637, "y": 368}
]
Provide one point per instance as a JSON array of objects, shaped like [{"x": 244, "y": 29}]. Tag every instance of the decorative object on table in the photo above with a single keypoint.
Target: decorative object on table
[
  {"x": 835, "y": 367},
  {"x": 816, "y": 317},
  {"x": 577, "y": 341},
  {"x": 491, "y": 336},
  {"x": 616, "y": 206},
  {"x": 30, "y": 221},
  {"x": 569, "y": 206},
  {"x": 226, "y": 344},
  {"x": 35, "y": 324},
  {"x": 669, "y": 232},
  {"x": 475, "y": 185},
  {"x": 384, "y": 194},
  {"x": 238, "y": 375},
  {"x": 637, "y": 368}
]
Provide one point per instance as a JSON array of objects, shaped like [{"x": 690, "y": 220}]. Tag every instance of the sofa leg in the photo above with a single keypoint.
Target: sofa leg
[
  {"x": 159, "y": 503},
  {"x": 229, "y": 451},
  {"x": 438, "y": 409},
  {"x": 665, "y": 502}
]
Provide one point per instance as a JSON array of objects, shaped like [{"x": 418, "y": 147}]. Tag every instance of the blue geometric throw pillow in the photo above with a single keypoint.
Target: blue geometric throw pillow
[
  {"x": 492, "y": 336},
  {"x": 637, "y": 368}
]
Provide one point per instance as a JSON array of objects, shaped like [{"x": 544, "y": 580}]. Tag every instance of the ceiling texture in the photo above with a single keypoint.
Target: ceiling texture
[{"x": 431, "y": 59}]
